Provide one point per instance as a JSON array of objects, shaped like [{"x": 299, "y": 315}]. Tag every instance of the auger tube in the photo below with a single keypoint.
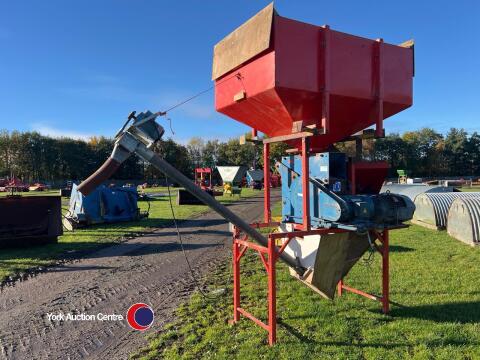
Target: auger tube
[{"x": 178, "y": 177}]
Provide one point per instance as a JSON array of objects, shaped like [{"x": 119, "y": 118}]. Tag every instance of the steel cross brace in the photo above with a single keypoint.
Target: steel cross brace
[{"x": 384, "y": 250}]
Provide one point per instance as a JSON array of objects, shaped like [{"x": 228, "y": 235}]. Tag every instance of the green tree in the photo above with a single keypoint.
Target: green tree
[
  {"x": 472, "y": 154},
  {"x": 232, "y": 153},
  {"x": 211, "y": 153},
  {"x": 421, "y": 151},
  {"x": 455, "y": 143},
  {"x": 196, "y": 147}
]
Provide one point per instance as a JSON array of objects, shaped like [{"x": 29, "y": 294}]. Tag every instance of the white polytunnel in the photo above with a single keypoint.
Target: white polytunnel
[
  {"x": 464, "y": 220},
  {"x": 413, "y": 190},
  {"x": 432, "y": 208}
]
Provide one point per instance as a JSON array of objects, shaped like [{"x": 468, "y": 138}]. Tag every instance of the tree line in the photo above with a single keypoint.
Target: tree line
[
  {"x": 33, "y": 157},
  {"x": 428, "y": 153}
]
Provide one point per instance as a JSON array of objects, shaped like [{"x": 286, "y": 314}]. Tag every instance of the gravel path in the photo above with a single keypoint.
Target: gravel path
[{"x": 148, "y": 269}]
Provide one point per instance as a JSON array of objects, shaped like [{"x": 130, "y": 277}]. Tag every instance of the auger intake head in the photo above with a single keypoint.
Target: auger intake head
[
  {"x": 144, "y": 130},
  {"x": 144, "y": 127}
]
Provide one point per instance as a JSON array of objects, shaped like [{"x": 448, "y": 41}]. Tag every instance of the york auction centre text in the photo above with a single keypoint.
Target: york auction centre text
[{"x": 84, "y": 317}]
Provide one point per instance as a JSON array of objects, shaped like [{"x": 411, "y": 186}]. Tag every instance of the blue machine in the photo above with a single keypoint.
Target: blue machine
[
  {"x": 330, "y": 204},
  {"x": 103, "y": 205}
]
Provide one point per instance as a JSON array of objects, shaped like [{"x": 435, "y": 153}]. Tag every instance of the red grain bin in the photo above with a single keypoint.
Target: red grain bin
[{"x": 282, "y": 76}]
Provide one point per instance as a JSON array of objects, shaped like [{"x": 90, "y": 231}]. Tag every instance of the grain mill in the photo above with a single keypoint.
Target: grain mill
[{"x": 311, "y": 87}]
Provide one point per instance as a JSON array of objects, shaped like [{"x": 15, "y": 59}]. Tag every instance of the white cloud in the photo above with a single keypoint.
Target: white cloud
[{"x": 49, "y": 130}]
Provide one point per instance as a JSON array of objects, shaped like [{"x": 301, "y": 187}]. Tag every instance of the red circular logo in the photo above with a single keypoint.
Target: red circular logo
[{"x": 140, "y": 316}]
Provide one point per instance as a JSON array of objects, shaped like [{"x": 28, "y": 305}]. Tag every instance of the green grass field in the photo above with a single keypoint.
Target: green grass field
[
  {"x": 435, "y": 311},
  {"x": 14, "y": 261}
]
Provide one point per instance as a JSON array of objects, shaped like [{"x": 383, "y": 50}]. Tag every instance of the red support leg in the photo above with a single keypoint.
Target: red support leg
[
  {"x": 236, "y": 278},
  {"x": 272, "y": 296},
  {"x": 267, "y": 214},
  {"x": 340, "y": 288},
  {"x": 385, "y": 273},
  {"x": 305, "y": 184}
]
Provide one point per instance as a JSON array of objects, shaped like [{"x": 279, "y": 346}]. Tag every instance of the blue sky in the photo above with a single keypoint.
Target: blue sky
[{"x": 77, "y": 68}]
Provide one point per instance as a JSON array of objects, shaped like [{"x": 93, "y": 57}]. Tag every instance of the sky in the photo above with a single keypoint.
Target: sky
[{"x": 77, "y": 68}]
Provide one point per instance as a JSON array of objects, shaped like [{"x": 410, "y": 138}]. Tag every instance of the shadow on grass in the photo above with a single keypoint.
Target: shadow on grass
[
  {"x": 400, "y": 249},
  {"x": 298, "y": 334},
  {"x": 303, "y": 338},
  {"x": 460, "y": 312}
]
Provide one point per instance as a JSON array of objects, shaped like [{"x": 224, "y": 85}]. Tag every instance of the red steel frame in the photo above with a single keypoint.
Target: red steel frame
[{"x": 270, "y": 254}]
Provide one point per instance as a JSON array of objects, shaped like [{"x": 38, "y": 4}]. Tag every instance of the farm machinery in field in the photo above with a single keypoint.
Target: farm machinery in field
[
  {"x": 203, "y": 178},
  {"x": 102, "y": 205},
  {"x": 310, "y": 87},
  {"x": 232, "y": 178}
]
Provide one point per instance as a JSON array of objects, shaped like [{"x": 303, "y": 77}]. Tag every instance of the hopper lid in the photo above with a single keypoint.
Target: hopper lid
[{"x": 248, "y": 40}]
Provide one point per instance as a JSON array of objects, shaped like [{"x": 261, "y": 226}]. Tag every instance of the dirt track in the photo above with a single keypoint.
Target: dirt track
[{"x": 148, "y": 269}]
